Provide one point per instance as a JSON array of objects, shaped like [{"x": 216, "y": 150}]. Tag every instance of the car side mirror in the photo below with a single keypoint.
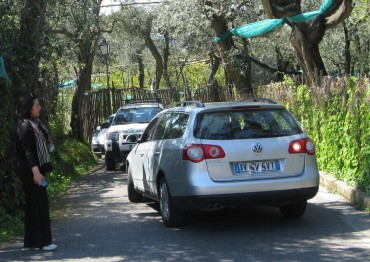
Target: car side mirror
[{"x": 98, "y": 128}]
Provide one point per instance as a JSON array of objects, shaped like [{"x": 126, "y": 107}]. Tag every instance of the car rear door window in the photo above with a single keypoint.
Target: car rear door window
[
  {"x": 149, "y": 131},
  {"x": 176, "y": 125},
  {"x": 163, "y": 122}
]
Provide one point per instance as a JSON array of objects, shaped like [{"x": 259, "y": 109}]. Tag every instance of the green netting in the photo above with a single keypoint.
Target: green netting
[
  {"x": 265, "y": 26},
  {"x": 3, "y": 73}
]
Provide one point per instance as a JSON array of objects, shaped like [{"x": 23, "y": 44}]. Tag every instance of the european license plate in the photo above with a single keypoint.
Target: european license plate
[
  {"x": 127, "y": 147},
  {"x": 256, "y": 167}
]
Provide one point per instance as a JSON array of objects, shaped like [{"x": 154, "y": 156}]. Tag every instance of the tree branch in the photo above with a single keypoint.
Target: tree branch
[
  {"x": 135, "y": 3},
  {"x": 65, "y": 32},
  {"x": 340, "y": 15},
  {"x": 109, "y": 30}
]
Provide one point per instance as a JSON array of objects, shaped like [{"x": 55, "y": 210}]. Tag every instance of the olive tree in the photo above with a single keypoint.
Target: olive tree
[
  {"x": 236, "y": 62},
  {"x": 137, "y": 22},
  {"x": 79, "y": 22},
  {"x": 306, "y": 36}
]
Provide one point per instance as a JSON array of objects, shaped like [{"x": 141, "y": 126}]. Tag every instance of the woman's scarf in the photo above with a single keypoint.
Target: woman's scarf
[{"x": 41, "y": 148}]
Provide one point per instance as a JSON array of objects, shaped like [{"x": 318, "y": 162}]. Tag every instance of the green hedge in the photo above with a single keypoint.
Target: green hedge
[{"x": 337, "y": 116}]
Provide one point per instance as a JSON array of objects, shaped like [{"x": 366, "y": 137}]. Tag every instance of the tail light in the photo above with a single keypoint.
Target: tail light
[
  {"x": 198, "y": 152},
  {"x": 304, "y": 145}
]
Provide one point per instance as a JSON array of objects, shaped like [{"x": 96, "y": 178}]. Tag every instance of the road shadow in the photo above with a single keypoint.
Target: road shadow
[{"x": 98, "y": 223}]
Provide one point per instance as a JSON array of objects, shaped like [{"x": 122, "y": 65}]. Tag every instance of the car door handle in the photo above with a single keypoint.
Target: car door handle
[
  {"x": 141, "y": 154},
  {"x": 156, "y": 153}
]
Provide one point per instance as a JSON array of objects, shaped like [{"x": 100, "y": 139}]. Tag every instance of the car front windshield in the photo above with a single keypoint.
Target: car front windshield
[
  {"x": 245, "y": 124},
  {"x": 135, "y": 115}
]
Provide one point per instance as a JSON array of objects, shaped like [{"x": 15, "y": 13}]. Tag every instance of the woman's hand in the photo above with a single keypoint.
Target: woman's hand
[{"x": 37, "y": 176}]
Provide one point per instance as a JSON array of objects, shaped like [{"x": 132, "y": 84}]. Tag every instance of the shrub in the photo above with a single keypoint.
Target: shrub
[{"x": 337, "y": 116}]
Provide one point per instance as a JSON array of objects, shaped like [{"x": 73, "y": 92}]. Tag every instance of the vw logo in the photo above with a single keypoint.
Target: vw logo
[{"x": 257, "y": 149}]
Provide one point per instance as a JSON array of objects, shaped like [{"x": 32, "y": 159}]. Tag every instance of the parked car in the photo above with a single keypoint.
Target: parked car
[
  {"x": 98, "y": 140},
  {"x": 128, "y": 124},
  {"x": 205, "y": 157}
]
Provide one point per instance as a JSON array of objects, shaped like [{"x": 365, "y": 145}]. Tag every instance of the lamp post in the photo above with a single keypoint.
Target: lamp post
[
  {"x": 261, "y": 9},
  {"x": 105, "y": 50}
]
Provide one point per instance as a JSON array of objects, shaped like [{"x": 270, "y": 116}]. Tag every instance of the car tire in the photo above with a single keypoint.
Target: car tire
[
  {"x": 110, "y": 164},
  {"x": 133, "y": 195},
  {"x": 295, "y": 210},
  {"x": 171, "y": 216}
]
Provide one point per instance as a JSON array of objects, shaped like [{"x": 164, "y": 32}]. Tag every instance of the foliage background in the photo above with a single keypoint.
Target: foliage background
[
  {"x": 337, "y": 116},
  {"x": 63, "y": 41}
]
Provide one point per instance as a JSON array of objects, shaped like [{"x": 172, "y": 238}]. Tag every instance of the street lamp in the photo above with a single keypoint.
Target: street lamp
[
  {"x": 261, "y": 9},
  {"x": 105, "y": 50}
]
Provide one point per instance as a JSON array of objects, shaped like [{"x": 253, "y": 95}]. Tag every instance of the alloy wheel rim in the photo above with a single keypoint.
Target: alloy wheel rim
[{"x": 164, "y": 201}]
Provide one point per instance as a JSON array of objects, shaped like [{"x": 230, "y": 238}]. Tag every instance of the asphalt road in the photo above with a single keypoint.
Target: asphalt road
[{"x": 96, "y": 222}]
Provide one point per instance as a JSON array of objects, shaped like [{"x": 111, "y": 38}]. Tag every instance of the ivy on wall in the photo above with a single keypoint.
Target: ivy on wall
[{"x": 337, "y": 116}]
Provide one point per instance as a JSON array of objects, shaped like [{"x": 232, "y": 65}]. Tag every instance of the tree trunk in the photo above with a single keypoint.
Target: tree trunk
[
  {"x": 30, "y": 39},
  {"x": 214, "y": 88},
  {"x": 166, "y": 55},
  {"x": 282, "y": 65},
  {"x": 85, "y": 60},
  {"x": 236, "y": 68},
  {"x": 157, "y": 56},
  {"x": 141, "y": 72},
  {"x": 305, "y": 41},
  {"x": 229, "y": 87},
  {"x": 139, "y": 59},
  {"x": 215, "y": 64},
  {"x": 347, "y": 51}
]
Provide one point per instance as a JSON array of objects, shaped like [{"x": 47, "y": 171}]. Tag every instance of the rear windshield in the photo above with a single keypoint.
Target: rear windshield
[
  {"x": 243, "y": 124},
  {"x": 135, "y": 115}
]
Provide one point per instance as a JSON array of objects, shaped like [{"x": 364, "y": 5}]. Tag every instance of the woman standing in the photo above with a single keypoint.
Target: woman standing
[{"x": 33, "y": 163}]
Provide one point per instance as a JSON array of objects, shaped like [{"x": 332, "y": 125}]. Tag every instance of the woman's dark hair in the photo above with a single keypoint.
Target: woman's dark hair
[{"x": 25, "y": 104}]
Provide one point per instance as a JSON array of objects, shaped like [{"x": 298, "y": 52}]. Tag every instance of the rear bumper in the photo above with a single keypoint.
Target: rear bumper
[{"x": 270, "y": 198}]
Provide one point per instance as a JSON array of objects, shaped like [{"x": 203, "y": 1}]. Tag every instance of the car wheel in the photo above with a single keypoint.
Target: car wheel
[
  {"x": 295, "y": 210},
  {"x": 170, "y": 215},
  {"x": 133, "y": 195},
  {"x": 110, "y": 164}
]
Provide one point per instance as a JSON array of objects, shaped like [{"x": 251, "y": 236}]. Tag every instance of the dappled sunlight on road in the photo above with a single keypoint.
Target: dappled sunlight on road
[{"x": 98, "y": 223}]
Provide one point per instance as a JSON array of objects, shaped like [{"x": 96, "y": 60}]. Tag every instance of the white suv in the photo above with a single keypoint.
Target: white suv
[
  {"x": 127, "y": 126},
  {"x": 98, "y": 140},
  {"x": 211, "y": 156}
]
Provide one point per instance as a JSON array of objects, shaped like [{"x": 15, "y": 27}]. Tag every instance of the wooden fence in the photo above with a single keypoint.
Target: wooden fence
[{"x": 96, "y": 103}]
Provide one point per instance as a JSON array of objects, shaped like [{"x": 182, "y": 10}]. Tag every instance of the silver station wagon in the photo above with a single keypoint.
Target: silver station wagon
[{"x": 205, "y": 157}]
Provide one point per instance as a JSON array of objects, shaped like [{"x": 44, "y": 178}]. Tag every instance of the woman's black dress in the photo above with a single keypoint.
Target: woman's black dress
[{"x": 37, "y": 219}]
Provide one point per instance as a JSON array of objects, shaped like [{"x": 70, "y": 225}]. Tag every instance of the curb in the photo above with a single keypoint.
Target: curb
[
  {"x": 359, "y": 199},
  {"x": 95, "y": 169}
]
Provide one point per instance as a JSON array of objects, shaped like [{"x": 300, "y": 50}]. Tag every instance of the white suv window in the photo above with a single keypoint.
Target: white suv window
[{"x": 135, "y": 115}]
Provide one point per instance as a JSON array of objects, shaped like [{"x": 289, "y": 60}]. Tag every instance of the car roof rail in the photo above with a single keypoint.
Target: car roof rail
[
  {"x": 157, "y": 100},
  {"x": 186, "y": 103},
  {"x": 260, "y": 99}
]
